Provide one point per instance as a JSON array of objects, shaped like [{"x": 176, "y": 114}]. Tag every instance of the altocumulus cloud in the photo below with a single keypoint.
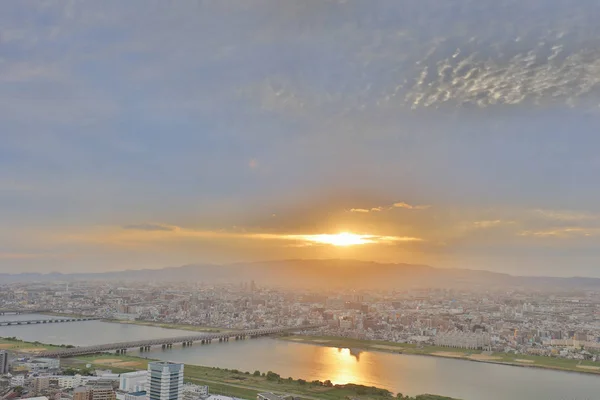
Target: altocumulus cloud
[
  {"x": 403, "y": 55},
  {"x": 151, "y": 227},
  {"x": 400, "y": 204}
]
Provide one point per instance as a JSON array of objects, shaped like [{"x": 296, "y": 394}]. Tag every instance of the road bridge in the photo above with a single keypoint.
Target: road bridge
[
  {"x": 44, "y": 321},
  {"x": 145, "y": 345}
]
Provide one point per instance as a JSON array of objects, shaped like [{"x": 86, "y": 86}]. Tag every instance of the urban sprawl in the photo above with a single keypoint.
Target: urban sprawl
[{"x": 543, "y": 323}]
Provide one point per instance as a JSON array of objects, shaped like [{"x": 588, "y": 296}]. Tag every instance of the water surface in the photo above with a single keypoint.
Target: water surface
[{"x": 409, "y": 374}]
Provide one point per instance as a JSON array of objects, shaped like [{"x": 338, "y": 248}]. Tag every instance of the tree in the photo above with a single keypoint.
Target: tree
[
  {"x": 328, "y": 383},
  {"x": 272, "y": 376},
  {"x": 256, "y": 373}
]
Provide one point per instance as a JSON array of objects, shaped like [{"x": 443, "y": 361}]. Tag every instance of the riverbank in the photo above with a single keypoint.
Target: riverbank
[
  {"x": 518, "y": 360},
  {"x": 20, "y": 346},
  {"x": 246, "y": 385},
  {"x": 184, "y": 327}
]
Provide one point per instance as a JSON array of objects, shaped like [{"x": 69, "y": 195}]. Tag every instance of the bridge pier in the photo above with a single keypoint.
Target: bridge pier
[{"x": 164, "y": 346}]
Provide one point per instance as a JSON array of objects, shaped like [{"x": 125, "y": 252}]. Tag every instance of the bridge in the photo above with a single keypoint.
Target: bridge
[
  {"x": 145, "y": 345},
  {"x": 42, "y": 311},
  {"x": 23, "y": 311},
  {"x": 44, "y": 321}
]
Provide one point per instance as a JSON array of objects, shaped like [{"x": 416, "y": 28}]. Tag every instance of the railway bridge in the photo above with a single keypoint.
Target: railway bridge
[
  {"x": 145, "y": 345},
  {"x": 23, "y": 311},
  {"x": 45, "y": 321}
]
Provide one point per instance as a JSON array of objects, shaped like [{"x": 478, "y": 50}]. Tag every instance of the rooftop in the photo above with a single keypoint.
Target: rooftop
[{"x": 164, "y": 363}]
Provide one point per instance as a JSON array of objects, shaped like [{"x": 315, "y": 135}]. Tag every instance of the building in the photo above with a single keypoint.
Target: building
[
  {"x": 194, "y": 392},
  {"x": 135, "y": 396},
  {"x": 272, "y": 396},
  {"x": 17, "y": 380},
  {"x": 81, "y": 393},
  {"x": 41, "y": 383},
  {"x": 42, "y": 364},
  {"x": 165, "y": 381},
  {"x": 465, "y": 340},
  {"x": 70, "y": 382},
  {"x": 3, "y": 362},
  {"x": 133, "y": 381},
  {"x": 101, "y": 390}
]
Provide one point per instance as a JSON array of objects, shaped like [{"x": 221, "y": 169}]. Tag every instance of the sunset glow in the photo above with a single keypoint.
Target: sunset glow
[
  {"x": 342, "y": 239},
  {"x": 346, "y": 239}
]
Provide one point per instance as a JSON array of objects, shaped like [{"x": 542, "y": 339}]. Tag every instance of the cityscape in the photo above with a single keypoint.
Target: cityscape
[
  {"x": 299, "y": 200},
  {"x": 515, "y": 321},
  {"x": 511, "y": 326}
]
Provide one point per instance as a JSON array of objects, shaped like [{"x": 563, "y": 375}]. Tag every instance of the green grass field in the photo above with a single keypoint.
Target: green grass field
[
  {"x": 239, "y": 383},
  {"x": 25, "y": 347}
]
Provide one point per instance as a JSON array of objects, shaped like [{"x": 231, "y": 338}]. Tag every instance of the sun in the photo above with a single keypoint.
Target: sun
[{"x": 342, "y": 239}]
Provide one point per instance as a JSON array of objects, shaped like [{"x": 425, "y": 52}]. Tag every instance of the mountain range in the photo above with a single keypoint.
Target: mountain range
[{"x": 321, "y": 274}]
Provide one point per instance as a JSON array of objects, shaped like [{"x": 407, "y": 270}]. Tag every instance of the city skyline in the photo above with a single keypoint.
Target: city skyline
[{"x": 146, "y": 135}]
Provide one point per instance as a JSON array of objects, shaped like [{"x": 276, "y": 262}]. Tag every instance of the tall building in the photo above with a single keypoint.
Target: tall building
[
  {"x": 165, "y": 380},
  {"x": 3, "y": 362}
]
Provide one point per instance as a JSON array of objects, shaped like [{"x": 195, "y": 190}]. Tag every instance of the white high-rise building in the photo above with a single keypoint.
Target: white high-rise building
[
  {"x": 133, "y": 381},
  {"x": 165, "y": 381}
]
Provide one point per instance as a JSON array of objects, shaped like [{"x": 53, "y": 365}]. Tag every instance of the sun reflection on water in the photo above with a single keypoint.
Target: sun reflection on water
[{"x": 347, "y": 366}]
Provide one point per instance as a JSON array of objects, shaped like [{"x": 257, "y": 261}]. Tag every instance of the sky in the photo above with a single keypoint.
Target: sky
[{"x": 147, "y": 133}]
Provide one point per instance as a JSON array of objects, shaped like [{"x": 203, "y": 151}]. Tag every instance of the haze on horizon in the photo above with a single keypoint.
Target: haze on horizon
[{"x": 146, "y": 134}]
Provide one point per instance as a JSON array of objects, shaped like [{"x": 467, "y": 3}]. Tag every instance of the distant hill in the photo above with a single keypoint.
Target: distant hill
[{"x": 317, "y": 274}]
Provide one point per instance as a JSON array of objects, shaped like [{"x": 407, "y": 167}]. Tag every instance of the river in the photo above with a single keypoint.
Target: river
[{"x": 408, "y": 374}]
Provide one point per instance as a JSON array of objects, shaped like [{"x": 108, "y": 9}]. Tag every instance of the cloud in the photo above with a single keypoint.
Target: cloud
[
  {"x": 492, "y": 223},
  {"x": 253, "y": 163},
  {"x": 460, "y": 63},
  {"x": 561, "y": 232},
  {"x": 410, "y": 207},
  {"x": 137, "y": 235},
  {"x": 151, "y": 227},
  {"x": 390, "y": 207},
  {"x": 342, "y": 239},
  {"x": 566, "y": 215}
]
